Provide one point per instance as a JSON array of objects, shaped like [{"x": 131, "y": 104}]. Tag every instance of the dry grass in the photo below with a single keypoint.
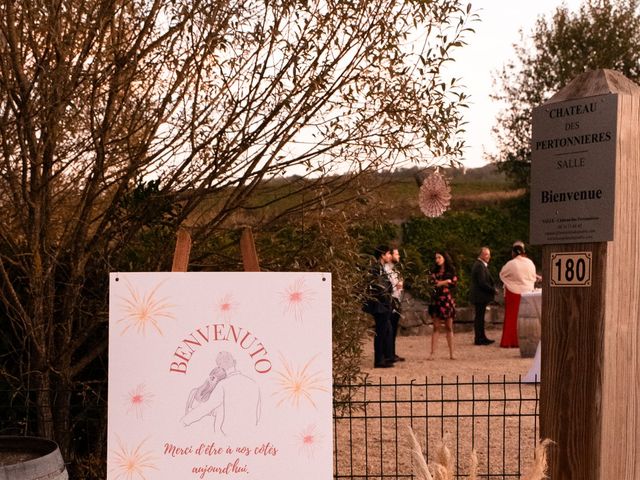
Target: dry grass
[
  {"x": 442, "y": 468},
  {"x": 491, "y": 196},
  {"x": 538, "y": 470}
]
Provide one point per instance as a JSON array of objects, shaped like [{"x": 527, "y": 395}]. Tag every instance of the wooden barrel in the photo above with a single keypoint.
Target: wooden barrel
[
  {"x": 528, "y": 329},
  {"x": 30, "y": 458}
]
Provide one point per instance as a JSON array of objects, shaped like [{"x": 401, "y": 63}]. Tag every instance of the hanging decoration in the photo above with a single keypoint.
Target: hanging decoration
[{"x": 434, "y": 196}]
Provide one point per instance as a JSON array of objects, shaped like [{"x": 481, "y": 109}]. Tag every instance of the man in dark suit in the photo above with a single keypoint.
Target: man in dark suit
[{"x": 481, "y": 293}]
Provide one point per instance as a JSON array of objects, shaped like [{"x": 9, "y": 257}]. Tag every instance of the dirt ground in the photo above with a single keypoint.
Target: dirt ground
[{"x": 479, "y": 361}]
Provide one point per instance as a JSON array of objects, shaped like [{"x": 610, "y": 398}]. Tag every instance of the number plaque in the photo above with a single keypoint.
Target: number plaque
[{"x": 571, "y": 269}]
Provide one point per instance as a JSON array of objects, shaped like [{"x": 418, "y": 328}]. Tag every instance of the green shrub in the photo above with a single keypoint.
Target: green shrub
[{"x": 462, "y": 234}]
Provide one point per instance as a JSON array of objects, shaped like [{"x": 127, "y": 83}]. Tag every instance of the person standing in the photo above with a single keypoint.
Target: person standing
[
  {"x": 443, "y": 308},
  {"x": 518, "y": 276},
  {"x": 481, "y": 293},
  {"x": 380, "y": 305},
  {"x": 397, "y": 284}
]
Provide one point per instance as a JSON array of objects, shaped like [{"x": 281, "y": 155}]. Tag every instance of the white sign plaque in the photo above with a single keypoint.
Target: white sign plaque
[
  {"x": 220, "y": 375},
  {"x": 571, "y": 269},
  {"x": 573, "y": 158}
]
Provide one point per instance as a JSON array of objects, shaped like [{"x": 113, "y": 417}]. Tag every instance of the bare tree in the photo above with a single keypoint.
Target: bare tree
[
  {"x": 190, "y": 106},
  {"x": 561, "y": 46}
]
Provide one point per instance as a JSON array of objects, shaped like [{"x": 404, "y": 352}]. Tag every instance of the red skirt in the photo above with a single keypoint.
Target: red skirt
[{"x": 510, "y": 325}]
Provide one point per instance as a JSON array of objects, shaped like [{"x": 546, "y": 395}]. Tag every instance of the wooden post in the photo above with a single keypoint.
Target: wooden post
[
  {"x": 590, "y": 371},
  {"x": 248, "y": 250},
  {"x": 182, "y": 251}
]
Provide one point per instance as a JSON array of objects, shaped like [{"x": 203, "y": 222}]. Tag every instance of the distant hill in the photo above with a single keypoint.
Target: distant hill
[
  {"x": 393, "y": 194},
  {"x": 398, "y": 192},
  {"x": 487, "y": 173}
]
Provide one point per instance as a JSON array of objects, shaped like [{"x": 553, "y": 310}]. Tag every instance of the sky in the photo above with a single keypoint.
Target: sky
[{"x": 487, "y": 51}]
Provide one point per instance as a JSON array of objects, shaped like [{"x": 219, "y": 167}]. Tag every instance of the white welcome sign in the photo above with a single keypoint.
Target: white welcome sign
[{"x": 220, "y": 375}]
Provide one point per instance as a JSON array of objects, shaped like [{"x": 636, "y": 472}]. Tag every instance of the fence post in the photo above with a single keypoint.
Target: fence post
[{"x": 585, "y": 204}]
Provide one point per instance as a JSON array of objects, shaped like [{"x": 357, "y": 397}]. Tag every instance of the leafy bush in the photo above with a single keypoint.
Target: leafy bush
[{"x": 462, "y": 234}]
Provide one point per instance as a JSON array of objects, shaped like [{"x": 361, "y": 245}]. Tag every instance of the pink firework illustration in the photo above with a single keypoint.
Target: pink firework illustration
[
  {"x": 296, "y": 298},
  {"x": 299, "y": 384},
  {"x": 134, "y": 463},
  {"x": 137, "y": 400},
  {"x": 226, "y": 307},
  {"x": 308, "y": 440},
  {"x": 143, "y": 311}
]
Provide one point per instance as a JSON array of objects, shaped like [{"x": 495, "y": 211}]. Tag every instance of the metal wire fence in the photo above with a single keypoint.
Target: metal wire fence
[{"x": 496, "y": 418}]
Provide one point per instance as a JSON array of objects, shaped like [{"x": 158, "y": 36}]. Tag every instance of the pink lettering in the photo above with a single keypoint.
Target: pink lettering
[
  {"x": 220, "y": 332},
  {"x": 261, "y": 349},
  {"x": 182, "y": 354},
  {"x": 217, "y": 332},
  {"x": 204, "y": 337},
  {"x": 174, "y": 451},
  {"x": 262, "y": 368},
  {"x": 180, "y": 367}
]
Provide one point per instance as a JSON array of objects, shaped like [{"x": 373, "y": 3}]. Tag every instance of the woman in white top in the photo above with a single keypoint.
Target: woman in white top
[{"x": 518, "y": 276}]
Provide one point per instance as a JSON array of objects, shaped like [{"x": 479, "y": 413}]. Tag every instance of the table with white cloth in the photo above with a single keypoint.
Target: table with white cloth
[{"x": 534, "y": 300}]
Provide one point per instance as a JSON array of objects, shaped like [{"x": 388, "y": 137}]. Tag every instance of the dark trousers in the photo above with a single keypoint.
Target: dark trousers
[
  {"x": 478, "y": 321},
  {"x": 395, "y": 321},
  {"x": 383, "y": 341}
]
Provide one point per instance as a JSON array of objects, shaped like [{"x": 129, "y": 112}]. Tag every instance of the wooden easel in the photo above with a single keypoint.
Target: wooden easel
[{"x": 183, "y": 250}]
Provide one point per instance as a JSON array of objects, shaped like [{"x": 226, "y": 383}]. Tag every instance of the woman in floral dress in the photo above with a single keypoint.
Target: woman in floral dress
[{"x": 443, "y": 308}]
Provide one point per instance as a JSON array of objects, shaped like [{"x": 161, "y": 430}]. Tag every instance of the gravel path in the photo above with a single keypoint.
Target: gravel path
[{"x": 479, "y": 361}]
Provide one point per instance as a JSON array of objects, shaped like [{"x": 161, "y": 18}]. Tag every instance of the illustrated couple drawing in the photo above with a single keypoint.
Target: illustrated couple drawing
[{"x": 227, "y": 398}]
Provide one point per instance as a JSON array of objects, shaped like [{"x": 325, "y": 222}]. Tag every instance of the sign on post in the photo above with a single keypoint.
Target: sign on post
[
  {"x": 573, "y": 171},
  {"x": 220, "y": 375}
]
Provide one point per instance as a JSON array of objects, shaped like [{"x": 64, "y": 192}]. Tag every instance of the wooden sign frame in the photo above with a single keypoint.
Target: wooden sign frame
[{"x": 183, "y": 250}]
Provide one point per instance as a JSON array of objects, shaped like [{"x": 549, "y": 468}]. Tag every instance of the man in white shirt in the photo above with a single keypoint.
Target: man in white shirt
[{"x": 391, "y": 268}]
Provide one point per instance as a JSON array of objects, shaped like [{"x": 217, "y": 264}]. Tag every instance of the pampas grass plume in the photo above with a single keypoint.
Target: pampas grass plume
[
  {"x": 444, "y": 458},
  {"x": 421, "y": 469},
  {"x": 443, "y": 468},
  {"x": 440, "y": 472},
  {"x": 473, "y": 467},
  {"x": 538, "y": 470}
]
